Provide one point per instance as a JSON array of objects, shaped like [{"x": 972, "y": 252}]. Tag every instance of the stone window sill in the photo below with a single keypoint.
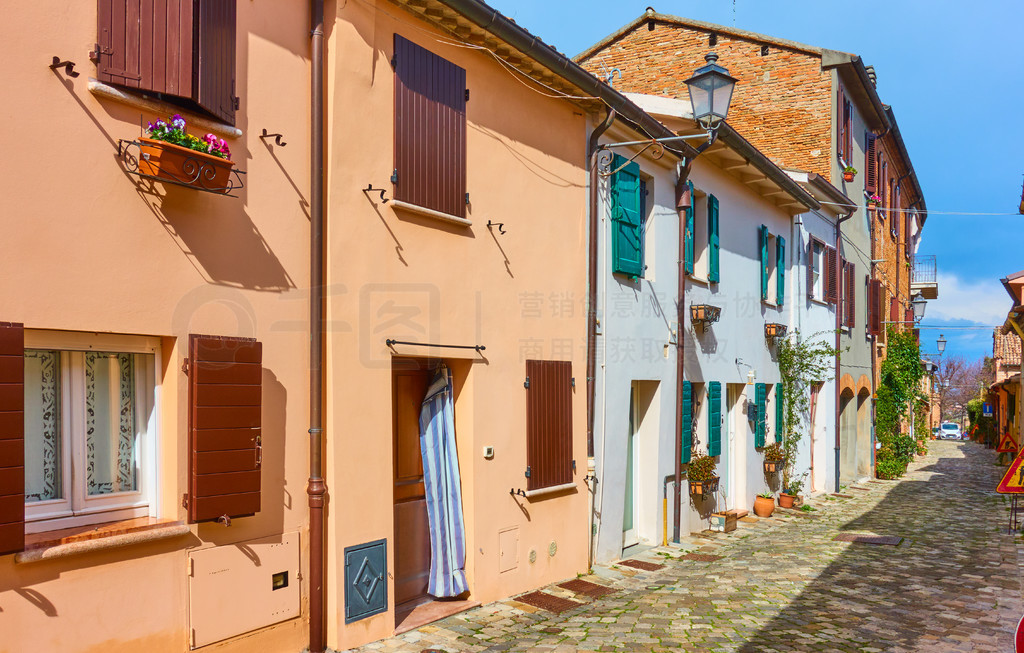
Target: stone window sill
[
  {"x": 98, "y": 537},
  {"x": 146, "y": 103},
  {"x": 431, "y": 213},
  {"x": 545, "y": 491}
]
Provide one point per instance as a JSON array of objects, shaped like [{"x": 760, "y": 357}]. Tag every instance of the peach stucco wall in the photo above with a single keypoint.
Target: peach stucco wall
[
  {"x": 86, "y": 248},
  {"x": 469, "y": 285}
]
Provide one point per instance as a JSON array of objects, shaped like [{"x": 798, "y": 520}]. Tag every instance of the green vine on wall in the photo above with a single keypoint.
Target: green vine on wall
[
  {"x": 899, "y": 391},
  {"x": 803, "y": 363}
]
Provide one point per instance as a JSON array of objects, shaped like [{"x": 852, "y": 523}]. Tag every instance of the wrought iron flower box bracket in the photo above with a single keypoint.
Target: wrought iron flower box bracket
[
  {"x": 195, "y": 172},
  {"x": 704, "y": 314},
  {"x": 774, "y": 331}
]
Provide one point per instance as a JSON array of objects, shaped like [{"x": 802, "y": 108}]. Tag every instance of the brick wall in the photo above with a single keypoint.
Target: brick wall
[{"x": 782, "y": 102}]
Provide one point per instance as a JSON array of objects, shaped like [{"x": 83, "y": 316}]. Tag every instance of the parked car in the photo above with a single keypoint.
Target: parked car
[{"x": 949, "y": 431}]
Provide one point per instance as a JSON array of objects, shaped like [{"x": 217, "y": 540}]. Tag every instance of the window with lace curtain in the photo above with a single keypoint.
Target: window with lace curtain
[{"x": 89, "y": 428}]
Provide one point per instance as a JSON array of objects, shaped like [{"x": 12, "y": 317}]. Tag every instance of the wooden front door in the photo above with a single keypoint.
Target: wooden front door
[{"x": 412, "y": 536}]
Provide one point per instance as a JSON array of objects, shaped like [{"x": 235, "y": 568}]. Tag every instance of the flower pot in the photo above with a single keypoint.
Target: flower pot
[
  {"x": 772, "y": 466},
  {"x": 702, "y": 488},
  {"x": 184, "y": 166},
  {"x": 763, "y": 507},
  {"x": 786, "y": 500},
  {"x": 848, "y": 176}
]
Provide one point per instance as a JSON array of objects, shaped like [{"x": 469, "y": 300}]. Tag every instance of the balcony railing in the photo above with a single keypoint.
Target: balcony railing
[{"x": 924, "y": 269}]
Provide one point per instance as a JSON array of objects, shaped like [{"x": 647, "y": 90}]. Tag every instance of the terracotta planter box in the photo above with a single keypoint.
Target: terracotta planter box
[
  {"x": 763, "y": 507},
  {"x": 702, "y": 488},
  {"x": 772, "y": 466},
  {"x": 848, "y": 176},
  {"x": 184, "y": 166}
]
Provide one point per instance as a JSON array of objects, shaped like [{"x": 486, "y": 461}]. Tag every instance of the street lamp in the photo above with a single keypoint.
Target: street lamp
[
  {"x": 941, "y": 342},
  {"x": 918, "y": 302},
  {"x": 710, "y": 93}
]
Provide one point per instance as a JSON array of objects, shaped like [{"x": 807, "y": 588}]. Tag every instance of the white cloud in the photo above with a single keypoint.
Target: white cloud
[{"x": 981, "y": 302}]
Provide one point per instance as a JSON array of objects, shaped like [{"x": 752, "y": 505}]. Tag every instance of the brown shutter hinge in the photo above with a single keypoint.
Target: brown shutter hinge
[
  {"x": 526, "y": 383},
  {"x": 94, "y": 54},
  {"x": 185, "y": 500},
  {"x": 467, "y": 95},
  {"x": 528, "y": 470},
  {"x": 185, "y": 366}
]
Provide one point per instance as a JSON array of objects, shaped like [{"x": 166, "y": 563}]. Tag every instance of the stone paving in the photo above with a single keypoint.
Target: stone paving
[{"x": 784, "y": 584}]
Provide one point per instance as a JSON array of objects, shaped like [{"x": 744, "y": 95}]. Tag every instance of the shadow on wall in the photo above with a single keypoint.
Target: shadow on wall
[
  {"x": 939, "y": 579},
  {"x": 215, "y": 233}
]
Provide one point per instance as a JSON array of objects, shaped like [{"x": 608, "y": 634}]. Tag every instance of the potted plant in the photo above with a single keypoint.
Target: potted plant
[
  {"x": 701, "y": 475},
  {"x": 773, "y": 457},
  {"x": 169, "y": 152},
  {"x": 791, "y": 492},
  {"x": 848, "y": 173},
  {"x": 874, "y": 200},
  {"x": 764, "y": 504}
]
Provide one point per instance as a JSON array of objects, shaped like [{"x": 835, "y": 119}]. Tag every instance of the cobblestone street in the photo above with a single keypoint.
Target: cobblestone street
[{"x": 786, "y": 584}]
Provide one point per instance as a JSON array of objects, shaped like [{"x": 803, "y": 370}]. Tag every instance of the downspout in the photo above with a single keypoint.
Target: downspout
[
  {"x": 683, "y": 201},
  {"x": 874, "y": 342},
  {"x": 316, "y": 489},
  {"x": 593, "y": 227},
  {"x": 839, "y": 326}
]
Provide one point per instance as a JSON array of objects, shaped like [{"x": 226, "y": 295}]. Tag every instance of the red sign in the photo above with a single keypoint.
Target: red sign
[
  {"x": 1018, "y": 638},
  {"x": 1006, "y": 444},
  {"x": 1013, "y": 481}
]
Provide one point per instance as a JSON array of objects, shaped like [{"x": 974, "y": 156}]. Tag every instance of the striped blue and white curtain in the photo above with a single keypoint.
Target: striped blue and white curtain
[{"x": 443, "y": 489}]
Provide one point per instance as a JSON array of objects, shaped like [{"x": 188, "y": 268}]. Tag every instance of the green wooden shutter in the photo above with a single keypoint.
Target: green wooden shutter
[
  {"x": 714, "y": 418},
  {"x": 780, "y": 270},
  {"x": 627, "y": 220},
  {"x": 762, "y": 241},
  {"x": 688, "y": 253},
  {"x": 713, "y": 239},
  {"x": 687, "y": 423},
  {"x": 780, "y": 413},
  {"x": 760, "y": 421}
]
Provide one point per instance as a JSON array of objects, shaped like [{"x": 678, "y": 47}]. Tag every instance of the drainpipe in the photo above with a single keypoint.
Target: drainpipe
[
  {"x": 316, "y": 489},
  {"x": 593, "y": 228},
  {"x": 683, "y": 200},
  {"x": 874, "y": 343},
  {"x": 839, "y": 326}
]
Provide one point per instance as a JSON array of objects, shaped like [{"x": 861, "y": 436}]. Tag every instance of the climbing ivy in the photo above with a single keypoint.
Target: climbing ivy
[
  {"x": 803, "y": 362},
  {"x": 899, "y": 391}
]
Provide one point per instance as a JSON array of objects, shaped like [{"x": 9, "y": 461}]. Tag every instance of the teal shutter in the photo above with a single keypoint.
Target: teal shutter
[
  {"x": 760, "y": 419},
  {"x": 762, "y": 241},
  {"x": 688, "y": 253},
  {"x": 780, "y": 413},
  {"x": 627, "y": 219},
  {"x": 780, "y": 270},
  {"x": 714, "y": 418},
  {"x": 687, "y": 425},
  {"x": 713, "y": 239}
]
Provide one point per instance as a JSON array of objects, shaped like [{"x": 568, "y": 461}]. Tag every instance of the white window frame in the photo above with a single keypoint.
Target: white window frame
[
  {"x": 77, "y": 508},
  {"x": 701, "y": 237},
  {"x": 817, "y": 263}
]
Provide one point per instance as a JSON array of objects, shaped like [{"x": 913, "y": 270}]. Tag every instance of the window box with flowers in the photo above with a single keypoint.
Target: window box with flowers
[
  {"x": 167, "y": 152},
  {"x": 701, "y": 475},
  {"x": 874, "y": 200},
  {"x": 849, "y": 172}
]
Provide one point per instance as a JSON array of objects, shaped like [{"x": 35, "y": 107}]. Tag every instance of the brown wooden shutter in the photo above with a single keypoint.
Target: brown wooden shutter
[
  {"x": 851, "y": 294},
  {"x": 871, "y": 163},
  {"x": 430, "y": 130},
  {"x": 548, "y": 423},
  {"x": 118, "y": 41},
  {"x": 908, "y": 223},
  {"x": 225, "y": 441},
  {"x": 12, "y": 437},
  {"x": 848, "y": 132},
  {"x": 215, "y": 58},
  {"x": 908, "y": 317},
  {"x": 894, "y": 310},
  {"x": 874, "y": 307},
  {"x": 831, "y": 282},
  {"x": 841, "y": 124},
  {"x": 810, "y": 268},
  {"x": 894, "y": 223}
]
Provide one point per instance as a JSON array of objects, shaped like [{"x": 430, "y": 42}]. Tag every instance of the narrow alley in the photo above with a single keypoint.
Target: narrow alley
[{"x": 785, "y": 584}]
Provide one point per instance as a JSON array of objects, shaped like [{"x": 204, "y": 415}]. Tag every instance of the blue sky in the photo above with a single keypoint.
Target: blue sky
[{"x": 932, "y": 58}]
